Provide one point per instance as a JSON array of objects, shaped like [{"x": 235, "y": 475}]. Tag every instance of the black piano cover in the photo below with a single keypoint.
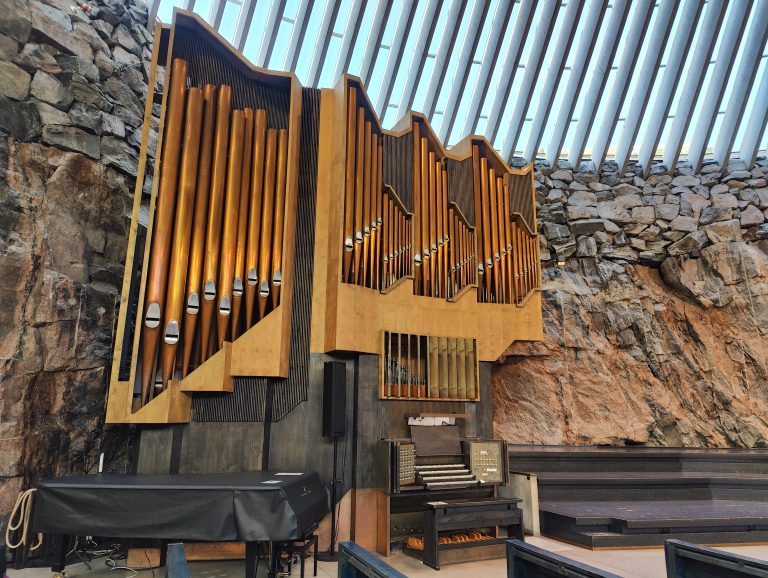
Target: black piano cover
[{"x": 208, "y": 507}]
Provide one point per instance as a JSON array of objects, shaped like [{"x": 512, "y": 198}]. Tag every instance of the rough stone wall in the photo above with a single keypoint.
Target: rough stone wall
[
  {"x": 655, "y": 329},
  {"x": 72, "y": 88}
]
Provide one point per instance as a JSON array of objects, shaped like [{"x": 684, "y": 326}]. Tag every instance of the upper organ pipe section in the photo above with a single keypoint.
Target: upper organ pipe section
[
  {"x": 446, "y": 219},
  {"x": 216, "y": 239}
]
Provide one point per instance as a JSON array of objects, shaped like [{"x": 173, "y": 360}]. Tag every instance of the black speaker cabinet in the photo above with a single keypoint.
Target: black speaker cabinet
[{"x": 334, "y": 399}]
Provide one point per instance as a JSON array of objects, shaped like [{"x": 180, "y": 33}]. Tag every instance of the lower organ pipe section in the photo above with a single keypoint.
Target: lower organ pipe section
[{"x": 215, "y": 262}]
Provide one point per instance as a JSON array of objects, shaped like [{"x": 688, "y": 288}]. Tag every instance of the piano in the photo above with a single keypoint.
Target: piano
[{"x": 248, "y": 507}]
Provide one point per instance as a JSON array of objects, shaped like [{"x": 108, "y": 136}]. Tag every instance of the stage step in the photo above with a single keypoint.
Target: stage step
[
  {"x": 646, "y": 523},
  {"x": 574, "y": 486},
  {"x": 539, "y": 459}
]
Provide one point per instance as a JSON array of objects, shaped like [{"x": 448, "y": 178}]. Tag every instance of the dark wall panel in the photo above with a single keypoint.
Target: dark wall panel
[{"x": 398, "y": 166}]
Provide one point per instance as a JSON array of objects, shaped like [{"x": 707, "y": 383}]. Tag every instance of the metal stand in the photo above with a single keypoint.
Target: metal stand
[{"x": 331, "y": 555}]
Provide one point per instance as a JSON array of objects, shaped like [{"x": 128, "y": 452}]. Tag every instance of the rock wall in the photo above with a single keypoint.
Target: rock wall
[
  {"x": 72, "y": 88},
  {"x": 655, "y": 328}
]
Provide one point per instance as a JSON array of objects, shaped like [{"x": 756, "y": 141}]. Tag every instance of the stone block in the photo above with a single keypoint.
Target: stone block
[
  {"x": 576, "y": 213},
  {"x": 14, "y": 81},
  {"x": 586, "y": 247},
  {"x": 685, "y": 181},
  {"x": 56, "y": 26},
  {"x": 72, "y": 139},
  {"x": 16, "y": 20},
  {"x": 587, "y": 227},
  {"x": 646, "y": 215},
  {"x": 762, "y": 198},
  {"x": 725, "y": 200},
  {"x": 561, "y": 175},
  {"x": 582, "y": 199},
  {"x": 723, "y": 231},
  {"x": 712, "y": 214},
  {"x": 751, "y": 216},
  {"x": 694, "y": 241},
  {"x": 627, "y": 254},
  {"x": 599, "y": 186},
  {"x": 20, "y": 119},
  {"x": 691, "y": 204},
  {"x": 48, "y": 89},
  {"x": 681, "y": 223},
  {"x": 34, "y": 57},
  {"x": 119, "y": 154},
  {"x": 667, "y": 211},
  {"x": 50, "y": 114}
]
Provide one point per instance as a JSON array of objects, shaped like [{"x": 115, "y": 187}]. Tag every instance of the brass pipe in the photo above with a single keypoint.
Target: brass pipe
[
  {"x": 432, "y": 228},
  {"x": 380, "y": 202},
  {"x": 359, "y": 179},
  {"x": 502, "y": 238},
  {"x": 374, "y": 217},
  {"x": 494, "y": 220},
  {"x": 266, "y": 219},
  {"x": 417, "y": 193},
  {"x": 254, "y": 214},
  {"x": 507, "y": 246},
  {"x": 446, "y": 238},
  {"x": 238, "y": 285},
  {"x": 349, "y": 185},
  {"x": 367, "y": 164},
  {"x": 377, "y": 212},
  {"x": 395, "y": 241},
  {"x": 385, "y": 226},
  {"x": 439, "y": 227},
  {"x": 182, "y": 230},
  {"x": 157, "y": 276},
  {"x": 486, "y": 238},
  {"x": 402, "y": 244},
  {"x": 477, "y": 197},
  {"x": 424, "y": 216},
  {"x": 197, "y": 251},
  {"x": 452, "y": 254},
  {"x": 277, "y": 247},
  {"x": 215, "y": 213},
  {"x": 229, "y": 233}
]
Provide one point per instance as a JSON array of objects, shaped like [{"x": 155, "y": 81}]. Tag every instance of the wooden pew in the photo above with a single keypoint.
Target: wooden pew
[
  {"x": 686, "y": 560},
  {"x": 527, "y": 561}
]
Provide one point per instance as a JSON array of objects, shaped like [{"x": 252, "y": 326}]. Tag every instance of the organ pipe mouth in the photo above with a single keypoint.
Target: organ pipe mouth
[
  {"x": 349, "y": 244},
  {"x": 253, "y": 277},
  {"x": 152, "y": 319},
  {"x": 264, "y": 289},
  {"x": 193, "y": 304},
  {"x": 277, "y": 279},
  {"x": 367, "y": 231},
  {"x": 171, "y": 336},
  {"x": 224, "y": 306},
  {"x": 237, "y": 287},
  {"x": 359, "y": 237},
  {"x": 209, "y": 293}
]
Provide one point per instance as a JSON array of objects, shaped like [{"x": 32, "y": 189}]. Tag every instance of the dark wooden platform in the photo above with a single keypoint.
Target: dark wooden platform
[{"x": 634, "y": 497}]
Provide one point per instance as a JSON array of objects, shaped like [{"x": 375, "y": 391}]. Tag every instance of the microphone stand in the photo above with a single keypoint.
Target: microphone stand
[{"x": 331, "y": 555}]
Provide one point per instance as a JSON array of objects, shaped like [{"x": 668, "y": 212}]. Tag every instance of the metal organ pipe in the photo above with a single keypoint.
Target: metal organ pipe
[
  {"x": 157, "y": 277},
  {"x": 182, "y": 231}
]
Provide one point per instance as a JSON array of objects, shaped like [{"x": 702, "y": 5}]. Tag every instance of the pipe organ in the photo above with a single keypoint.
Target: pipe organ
[{"x": 287, "y": 227}]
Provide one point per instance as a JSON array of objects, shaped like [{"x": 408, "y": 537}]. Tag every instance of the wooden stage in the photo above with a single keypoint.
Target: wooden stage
[{"x": 639, "y": 497}]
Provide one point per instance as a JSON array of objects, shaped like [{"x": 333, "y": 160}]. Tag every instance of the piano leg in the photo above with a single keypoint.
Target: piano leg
[
  {"x": 251, "y": 559},
  {"x": 58, "y": 553}
]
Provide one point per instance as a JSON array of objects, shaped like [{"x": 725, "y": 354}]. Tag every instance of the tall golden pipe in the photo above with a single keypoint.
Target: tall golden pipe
[
  {"x": 238, "y": 286},
  {"x": 502, "y": 240},
  {"x": 367, "y": 165},
  {"x": 433, "y": 180},
  {"x": 445, "y": 237},
  {"x": 494, "y": 232},
  {"x": 379, "y": 207},
  {"x": 510, "y": 255},
  {"x": 161, "y": 238},
  {"x": 477, "y": 194},
  {"x": 452, "y": 254},
  {"x": 385, "y": 241},
  {"x": 349, "y": 191},
  {"x": 375, "y": 215},
  {"x": 182, "y": 231},
  {"x": 197, "y": 251},
  {"x": 486, "y": 238},
  {"x": 505, "y": 246},
  {"x": 229, "y": 233},
  {"x": 277, "y": 247},
  {"x": 417, "y": 193},
  {"x": 267, "y": 214},
  {"x": 424, "y": 216},
  {"x": 359, "y": 182},
  {"x": 215, "y": 213},
  {"x": 373, "y": 222},
  {"x": 439, "y": 230},
  {"x": 254, "y": 214},
  {"x": 389, "y": 251}
]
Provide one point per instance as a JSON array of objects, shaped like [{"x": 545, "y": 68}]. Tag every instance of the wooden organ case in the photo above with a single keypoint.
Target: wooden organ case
[{"x": 286, "y": 228}]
